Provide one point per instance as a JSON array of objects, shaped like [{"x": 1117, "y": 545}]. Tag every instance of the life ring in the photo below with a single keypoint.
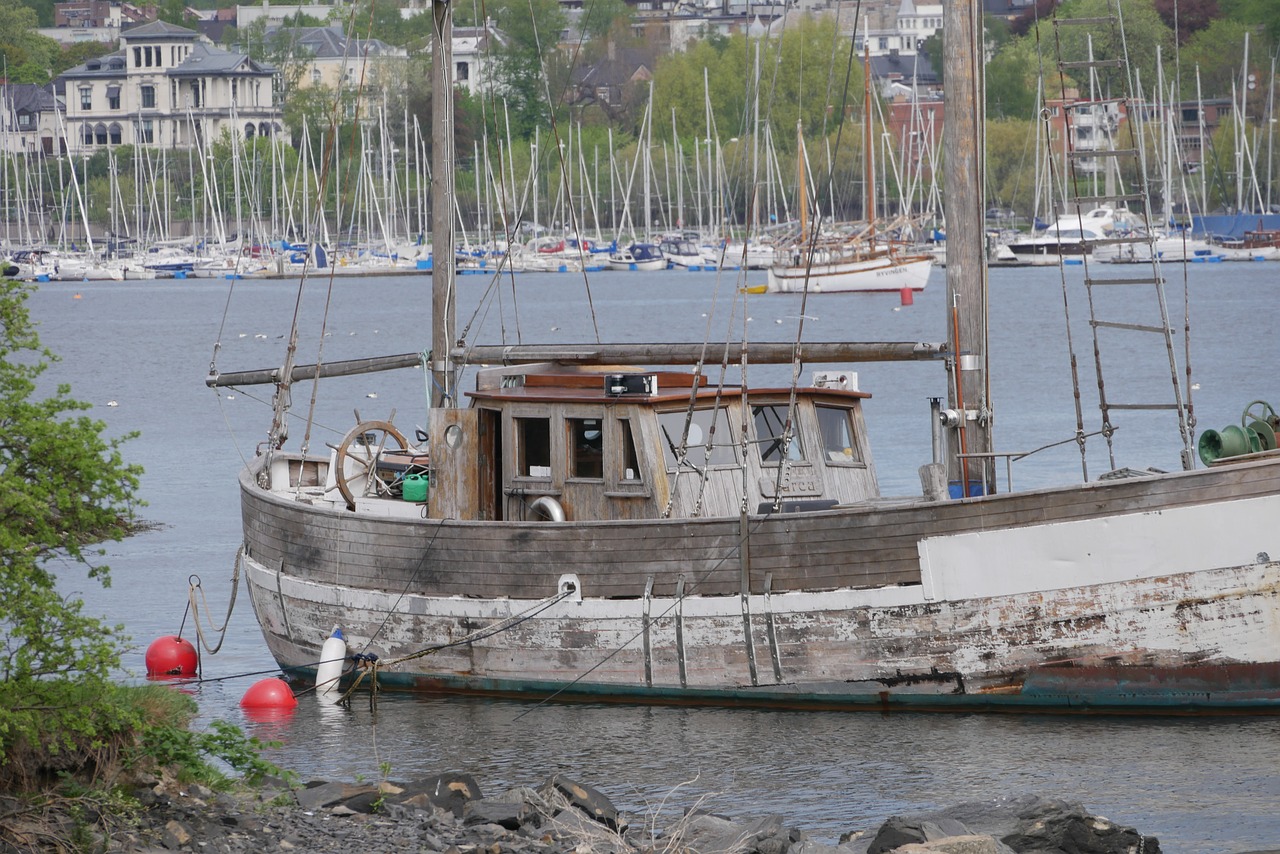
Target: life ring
[{"x": 547, "y": 505}]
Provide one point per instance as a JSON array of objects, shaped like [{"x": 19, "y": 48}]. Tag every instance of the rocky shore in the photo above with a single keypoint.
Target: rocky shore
[{"x": 449, "y": 813}]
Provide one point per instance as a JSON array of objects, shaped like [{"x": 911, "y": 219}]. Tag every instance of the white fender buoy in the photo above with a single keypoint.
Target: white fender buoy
[{"x": 333, "y": 657}]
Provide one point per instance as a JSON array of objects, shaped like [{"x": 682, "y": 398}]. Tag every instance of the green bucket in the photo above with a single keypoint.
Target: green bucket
[{"x": 414, "y": 487}]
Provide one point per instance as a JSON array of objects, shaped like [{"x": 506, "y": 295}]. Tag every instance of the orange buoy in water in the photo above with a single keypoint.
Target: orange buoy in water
[
  {"x": 171, "y": 656},
  {"x": 269, "y": 694},
  {"x": 906, "y": 296}
]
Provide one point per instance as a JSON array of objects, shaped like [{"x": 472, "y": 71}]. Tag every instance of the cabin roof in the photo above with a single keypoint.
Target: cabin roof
[{"x": 590, "y": 388}]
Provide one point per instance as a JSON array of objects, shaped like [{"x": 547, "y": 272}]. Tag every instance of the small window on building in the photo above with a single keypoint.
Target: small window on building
[
  {"x": 195, "y": 94},
  {"x": 148, "y": 97},
  {"x": 114, "y": 133},
  {"x": 771, "y": 429},
  {"x": 315, "y": 75},
  {"x": 86, "y": 98},
  {"x": 533, "y": 447},
  {"x": 463, "y": 71},
  {"x": 146, "y": 132},
  {"x": 630, "y": 462},
  {"x": 710, "y": 440},
  {"x": 137, "y": 57},
  {"x": 113, "y": 99},
  {"x": 24, "y": 120},
  {"x": 586, "y": 447},
  {"x": 87, "y": 136},
  {"x": 836, "y": 426}
]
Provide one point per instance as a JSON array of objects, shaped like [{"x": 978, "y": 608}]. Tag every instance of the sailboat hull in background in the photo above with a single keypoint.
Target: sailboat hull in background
[{"x": 880, "y": 272}]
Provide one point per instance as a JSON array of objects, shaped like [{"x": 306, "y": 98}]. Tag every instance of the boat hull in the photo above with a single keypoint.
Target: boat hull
[
  {"x": 877, "y": 274},
  {"x": 1048, "y": 601}
]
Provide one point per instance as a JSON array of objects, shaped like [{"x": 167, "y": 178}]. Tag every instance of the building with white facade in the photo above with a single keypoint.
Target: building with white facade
[
  {"x": 906, "y": 34},
  {"x": 329, "y": 57},
  {"x": 29, "y": 122},
  {"x": 166, "y": 87}
]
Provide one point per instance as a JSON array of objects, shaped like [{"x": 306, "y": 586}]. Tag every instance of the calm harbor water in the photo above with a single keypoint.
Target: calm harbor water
[{"x": 139, "y": 351}]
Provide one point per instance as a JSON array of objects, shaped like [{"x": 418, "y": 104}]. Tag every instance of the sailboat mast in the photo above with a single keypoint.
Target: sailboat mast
[
  {"x": 964, "y": 141},
  {"x": 868, "y": 149},
  {"x": 443, "y": 306}
]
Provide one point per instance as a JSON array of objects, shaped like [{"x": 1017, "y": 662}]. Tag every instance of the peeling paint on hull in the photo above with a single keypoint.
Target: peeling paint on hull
[{"x": 850, "y": 649}]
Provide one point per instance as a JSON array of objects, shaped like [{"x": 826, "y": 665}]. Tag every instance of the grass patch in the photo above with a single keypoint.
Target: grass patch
[{"x": 73, "y": 753}]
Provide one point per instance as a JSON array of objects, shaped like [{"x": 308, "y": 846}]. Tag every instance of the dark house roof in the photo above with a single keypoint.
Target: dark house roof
[
  {"x": 29, "y": 98},
  {"x": 894, "y": 66},
  {"x": 621, "y": 66},
  {"x": 331, "y": 42},
  {"x": 160, "y": 30}
]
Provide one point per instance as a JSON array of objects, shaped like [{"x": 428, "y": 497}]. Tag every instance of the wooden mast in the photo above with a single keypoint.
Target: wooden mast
[
  {"x": 964, "y": 145},
  {"x": 868, "y": 152},
  {"x": 443, "y": 303}
]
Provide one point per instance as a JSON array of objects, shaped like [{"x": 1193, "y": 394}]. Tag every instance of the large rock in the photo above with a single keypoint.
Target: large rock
[
  {"x": 957, "y": 845},
  {"x": 590, "y": 801},
  {"x": 1024, "y": 823},
  {"x": 450, "y": 791},
  {"x": 710, "y": 834},
  {"x": 1032, "y": 823},
  {"x": 899, "y": 831}
]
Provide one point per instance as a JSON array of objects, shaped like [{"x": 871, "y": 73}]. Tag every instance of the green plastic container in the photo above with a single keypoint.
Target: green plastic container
[{"x": 414, "y": 487}]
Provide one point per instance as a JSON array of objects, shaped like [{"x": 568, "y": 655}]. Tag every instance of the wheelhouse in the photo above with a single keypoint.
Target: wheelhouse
[{"x": 553, "y": 441}]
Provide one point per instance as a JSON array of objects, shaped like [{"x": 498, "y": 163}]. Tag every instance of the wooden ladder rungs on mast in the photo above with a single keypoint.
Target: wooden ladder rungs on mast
[
  {"x": 1091, "y": 63},
  {"x": 1091, "y": 201},
  {"x": 1082, "y": 154},
  {"x": 1085, "y": 22},
  {"x": 1137, "y": 281},
  {"x": 1133, "y": 327}
]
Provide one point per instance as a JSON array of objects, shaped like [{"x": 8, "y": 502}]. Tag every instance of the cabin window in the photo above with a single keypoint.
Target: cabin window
[
  {"x": 586, "y": 448},
  {"x": 533, "y": 447},
  {"x": 630, "y": 462},
  {"x": 771, "y": 427},
  {"x": 836, "y": 426},
  {"x": 710, "y": 439}
]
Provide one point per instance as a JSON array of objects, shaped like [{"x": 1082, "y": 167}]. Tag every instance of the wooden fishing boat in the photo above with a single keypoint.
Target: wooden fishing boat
[{"x": 598, "y": 525}]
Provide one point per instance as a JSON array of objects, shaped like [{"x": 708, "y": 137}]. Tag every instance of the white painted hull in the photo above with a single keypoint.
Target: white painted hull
[
  {"x": 653, "y": 265},
  {"x": 881, "y": 273}
]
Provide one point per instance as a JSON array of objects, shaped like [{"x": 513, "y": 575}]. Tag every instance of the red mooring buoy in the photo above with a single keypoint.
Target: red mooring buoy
[
  {"x": 171, "y": 656},
  {"x": 269, "y": 694},
  {"x": 906, "y": 297}
]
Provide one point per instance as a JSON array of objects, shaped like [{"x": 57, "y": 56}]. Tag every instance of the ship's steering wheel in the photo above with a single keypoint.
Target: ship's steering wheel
[
  {"x": 362, "y": 446},
  {"x": 1265, "y": 413}
]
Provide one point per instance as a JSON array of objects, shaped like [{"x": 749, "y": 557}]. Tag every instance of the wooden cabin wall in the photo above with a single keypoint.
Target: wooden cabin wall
[{"x": 454, "y": 492}]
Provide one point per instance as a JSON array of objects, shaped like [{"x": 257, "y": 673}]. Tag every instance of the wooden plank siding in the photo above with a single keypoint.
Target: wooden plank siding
[{"x": 860, "y": 546}]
